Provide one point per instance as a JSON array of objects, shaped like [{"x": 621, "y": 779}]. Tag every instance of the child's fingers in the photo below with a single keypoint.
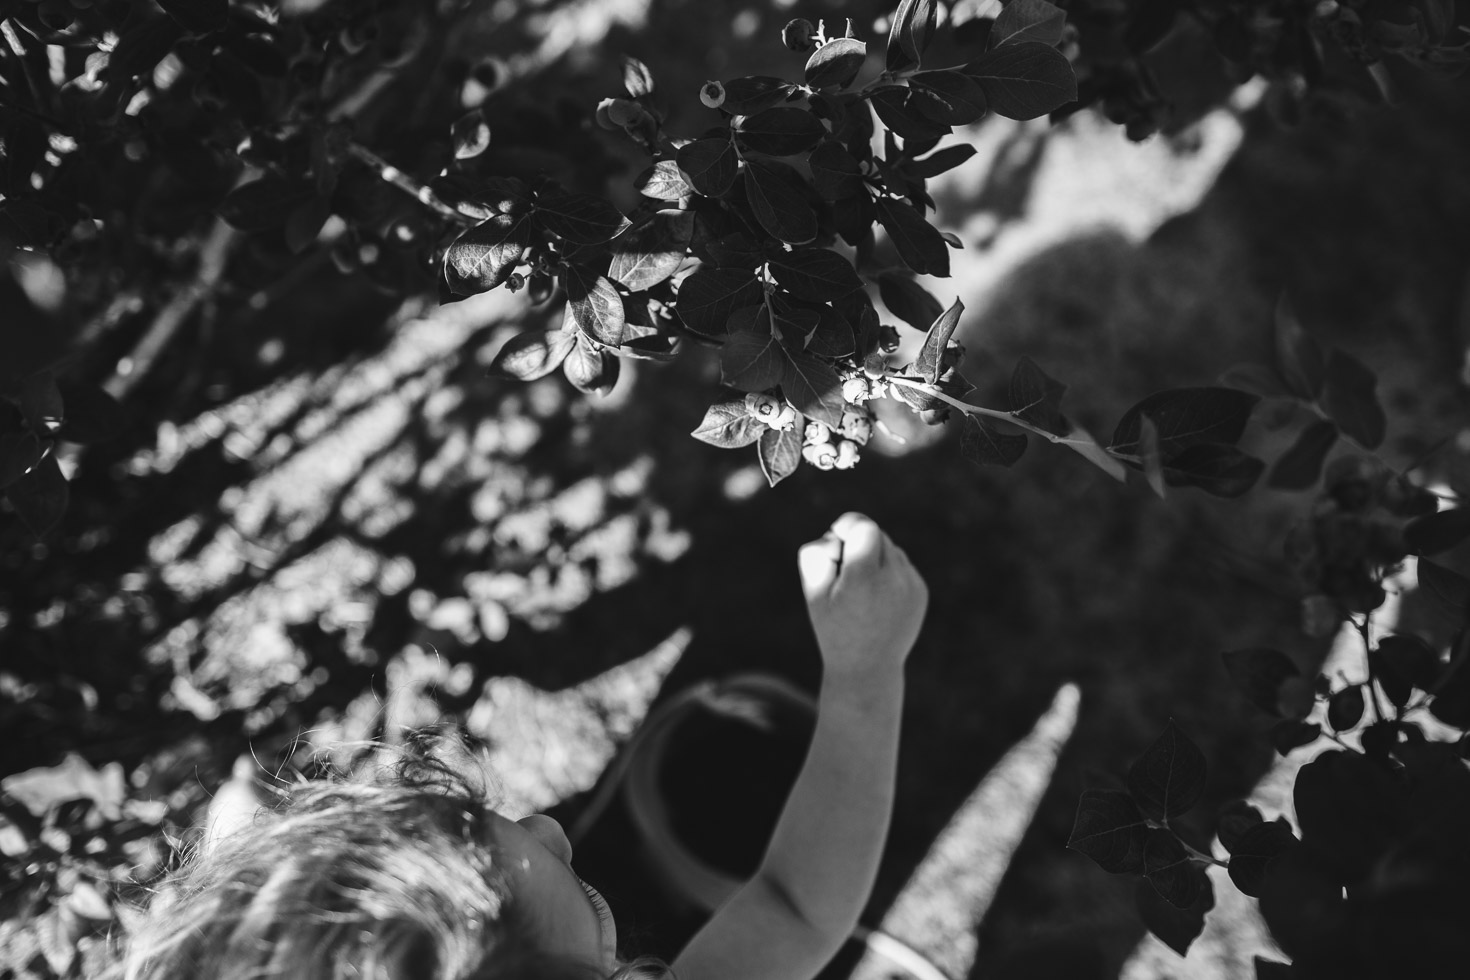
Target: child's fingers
[
  {"x": 819, "y": 562},
  {"x": 861, "y": 538}
]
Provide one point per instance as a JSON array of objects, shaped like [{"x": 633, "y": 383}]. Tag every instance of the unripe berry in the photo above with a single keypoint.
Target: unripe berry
[
  {"x": 712, "y": 94},
  {"x": 855, "y": 390},
  {"x": 624, "y": 112},
  {"x": 516, "y": 282},
  {"x": 767, "y": 409},
  {"x": 816, "y": 434},
  {"x": 857, "y": 426},
  {"x": 847, "y": 455},
  {"x": 797, "y": 34},
  {"x": 822, "y": 455},
  {"x": 888, "y": 339}
]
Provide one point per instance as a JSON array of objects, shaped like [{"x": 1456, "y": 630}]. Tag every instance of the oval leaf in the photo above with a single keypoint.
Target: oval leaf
[
  {"x": 816, "y": 274},
  {"x": 1187, "y": 417},
  {"x": 778, "y": 199},
  {"x": 835, "y": 172},
  {"x": 1024, "y": 80},
  {"x": 813, "y": 389},
  {"x": 1177, "y": 928},
  {"x": 956, "y": 98},
  {"x": 590, "y": 368},
  {"x": 751, "y": 361},
  {"x": 1037, "y": 398},
  {"x": 780, "y": 452},
  {"x": 1110, "y": 829},
  {"x": 709, "y": 296},
  {"x": 919, "y": 244},
  {"x": 982, "y": 443},
  {"x": 594, "y": 306},
  {"x": 727, "y": 424},
  {"x": 711, "y": 165},
  {"x": 1351, "y": 398},
  {"x": 485, "y": 255},
  {"x": 1301, "y": 465},
  {"x": 651, "y": 252},
  {"x": 579, "y": 218},
  {"x": 782, "y": 131},
  {"x": 836, "y": 63},
  {"x": 930, "y": 362},
  {"x": 1028, "y": 20},
  {"x": 1437, "y": 532},
  {"x": 1170, "y": 777},
  {"x": 1167, "y": 867},
  {"x": 753, "y": 93},
  {"x": 664, "y": 181},
  {"x": 532, "y": 354}
]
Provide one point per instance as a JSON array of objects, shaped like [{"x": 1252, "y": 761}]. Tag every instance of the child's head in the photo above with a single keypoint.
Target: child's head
[{"x": 383, "y": 879}]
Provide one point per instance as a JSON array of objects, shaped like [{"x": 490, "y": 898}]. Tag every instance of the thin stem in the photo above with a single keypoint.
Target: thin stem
[
  {"x": 404, "y": 182},
  {"x": 1365, "y": 631}
]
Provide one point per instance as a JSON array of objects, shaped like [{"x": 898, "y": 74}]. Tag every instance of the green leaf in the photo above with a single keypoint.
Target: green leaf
[
  {"x": 780, "y": 452},
  {"x": 1345, "y": 708},
  {"x": 532, "y": 354},
  {"x": 199, "y": 16},
  {"x": 1301, "y": 465},
  {"x": 895, "y": 107},
  {"x": 1291, "y": 734},
  {"x": 40, "y": 496},
  {"x": 1402, "y": 664},
  {"x": 637, "y": 79},
  {"x": 1024, "y": 80},
  {"x": 265, "y": 203},
  {"x": 835, "y": 172},
  {"x": 580, "y": 219},
  {"x": 594, "y": 306},
  {"x": 470, "y": 135},
  {"x": 1187, "y": 417},
  {"x": 752, "y": 361},
  {"x": 1170, "y": 777},
  {"x": 836, "y": 63},
  {"x": 727, "y": 424},
  {"x": 930, "y": 363},
  {"x": 1259, "y": 672},
  {"x": 650, "y": 252},
  {"x": 833, "y": 337},
  {"x": 919, "y": 244},
  {"x": 941, "y": 161},
  {"x": 710, "y": 165},
  {"x": 813, "y": 389},
  {"x": 1037, "y": 398},
  {"x": 590, "y": 368},
  {"x": 816, "y": 274},
  {"x": 782, "y": 131},
  {"x": 1272, "y": 969},
  {"x": 753, "y": 93},
  {"x": 1448, "y": 588},
  {"x": 1110, "y": 829},
  {"x": 794, "y": 326},
  {"x": 485, "y": 255},
  {"x": 664, "y": 181},
  {"x": 909, "y": 34},
  {"x": 1299, "y": 358},
  {"x": 305, "y": 223},
  {"x": 1254, "y": 852},
  {"x": 1177, "y": 928},
  {"x": 1167, "y": 866},
  {"x": 907, "y": 300},
  {"x": 1214, "y": 467},
  {"x": 1028, "y": 20},
  {"x": 982, "y": 443},
  {"x": 1236, "y": 818},
  {"x": 1437, "y": 532},
  {"x": 1351, "y": 398},
  {"x": 778, "y": 198},
  {"x": 956, "y": 99},
  {"x": 709, "y": 296}
]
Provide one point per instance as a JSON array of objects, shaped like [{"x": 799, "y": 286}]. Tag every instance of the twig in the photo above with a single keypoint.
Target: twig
[
  {"x": 1108, "y": 465},
  {"x": 212, "y": 258},
  {"x": 405, "y": 183}
]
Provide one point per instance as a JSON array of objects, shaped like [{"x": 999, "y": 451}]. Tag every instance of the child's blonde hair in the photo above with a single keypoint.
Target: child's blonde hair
[{"x": 383, "y": 877}]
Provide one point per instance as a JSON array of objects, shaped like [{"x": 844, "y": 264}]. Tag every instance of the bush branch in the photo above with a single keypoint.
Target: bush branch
[{"x": 404, "y": 182}]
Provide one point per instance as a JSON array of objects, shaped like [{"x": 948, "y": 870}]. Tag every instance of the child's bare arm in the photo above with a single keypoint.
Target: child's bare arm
[{"x": 866, "y": 604}]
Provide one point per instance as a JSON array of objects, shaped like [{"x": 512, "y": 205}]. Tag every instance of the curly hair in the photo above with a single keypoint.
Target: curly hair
[{"x": 379, "y": 878}]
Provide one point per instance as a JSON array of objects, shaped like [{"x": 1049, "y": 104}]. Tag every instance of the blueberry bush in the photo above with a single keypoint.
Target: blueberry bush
[{"x": 161, "y": 160}]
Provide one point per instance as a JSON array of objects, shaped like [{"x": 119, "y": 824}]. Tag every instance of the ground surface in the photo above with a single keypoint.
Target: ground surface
[{"x": 381, "y": 534}]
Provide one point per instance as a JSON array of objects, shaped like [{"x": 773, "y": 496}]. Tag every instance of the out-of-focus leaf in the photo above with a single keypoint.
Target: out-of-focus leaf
[
  {"x": 1351, "y": 398},
  {"x": 1028, "y": 20},
  {"x": 1301, "y": 465},
  {"x": 532, "y": 354},
  {"x": 983, "y": 443}
]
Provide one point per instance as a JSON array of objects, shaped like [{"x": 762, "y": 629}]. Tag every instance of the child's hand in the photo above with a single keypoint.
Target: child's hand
[{"x": 865, "y": 599}]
